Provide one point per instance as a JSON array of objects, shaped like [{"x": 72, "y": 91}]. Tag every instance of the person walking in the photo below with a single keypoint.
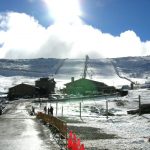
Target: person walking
[
  {"x": 48, "y": 110},
  {"x": 45, "y": 109},
  {"x": 33, "y": 110},
  {"x": 51, "y": 110}
]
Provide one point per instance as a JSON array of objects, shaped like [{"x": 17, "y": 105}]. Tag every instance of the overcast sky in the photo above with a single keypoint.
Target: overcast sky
[{"x": 74, "y": 28}]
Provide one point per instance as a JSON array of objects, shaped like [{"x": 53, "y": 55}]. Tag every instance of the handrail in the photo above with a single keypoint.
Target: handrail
[{"x": 55, "y": 122}]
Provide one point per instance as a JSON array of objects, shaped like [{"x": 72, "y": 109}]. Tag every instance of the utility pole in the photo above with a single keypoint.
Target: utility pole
[
  {"x": 139, "y": 105},
  {"x": 85, "y": 67},
  {"x": 106, "y": 109},
  {"x": 80, "y": 110}
]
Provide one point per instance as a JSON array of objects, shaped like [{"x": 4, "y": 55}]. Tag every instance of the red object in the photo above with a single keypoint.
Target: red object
[
  {"x": 78, "y": 143},
  {"x": 73, "y": 143},
  {"x": 70, "y": 134},
  {"x": 74, "y": 137},
  {"x": 75, "y": 146},
  {"x": 82, "y": 147},
  {"x": 70, "y": 143}
]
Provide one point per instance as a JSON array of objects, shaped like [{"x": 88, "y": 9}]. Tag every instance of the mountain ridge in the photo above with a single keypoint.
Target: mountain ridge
[
  {"x": 131, "y": 66},
  {"x": 15, "y": 71}
]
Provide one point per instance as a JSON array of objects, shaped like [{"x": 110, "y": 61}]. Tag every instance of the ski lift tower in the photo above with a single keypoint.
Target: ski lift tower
[{"x": 85, "y": 67}]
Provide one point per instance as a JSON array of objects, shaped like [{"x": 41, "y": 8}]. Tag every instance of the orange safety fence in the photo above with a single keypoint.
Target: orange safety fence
[
  {"x": 55, "y": 122},
  {"x": 72, "y": 142}
]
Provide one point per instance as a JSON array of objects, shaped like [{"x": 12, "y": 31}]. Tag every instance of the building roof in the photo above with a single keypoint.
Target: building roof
[
  {"x": 82, "y": 81},
  {"x": 45, "y": 79},
  {"x": 23, "y": 84}
]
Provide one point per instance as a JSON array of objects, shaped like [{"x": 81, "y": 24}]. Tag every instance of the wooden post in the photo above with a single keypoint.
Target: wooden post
[
  {"x": 56, "y": 107},
  {"x": 107, "y": 109},
  {"x": 40, "y": 101},
  {"x": 62, "y": 111},
  {"x": 66, "y": 137},
  {"x": 139, "y": 105},
  {"x": 80, "y": 109}
]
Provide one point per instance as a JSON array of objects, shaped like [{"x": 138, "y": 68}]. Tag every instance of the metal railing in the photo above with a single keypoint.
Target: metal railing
[{"x": 57, "y": 126}]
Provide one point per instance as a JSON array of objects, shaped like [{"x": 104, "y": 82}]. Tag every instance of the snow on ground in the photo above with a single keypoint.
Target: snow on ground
[
  {"x": 20, "y": 131},
  {"x": 130, "y": 131}
]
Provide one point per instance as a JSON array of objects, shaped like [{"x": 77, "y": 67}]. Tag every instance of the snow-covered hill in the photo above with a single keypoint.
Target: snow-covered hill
[
  {"x": 29, "y": 67},
  {"x": 134, "y": 67},
  {"x": 13, "y": 72}
]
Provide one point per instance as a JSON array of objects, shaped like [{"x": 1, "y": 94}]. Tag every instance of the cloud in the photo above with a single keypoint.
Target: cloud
[{"x": 21, "y": 36}]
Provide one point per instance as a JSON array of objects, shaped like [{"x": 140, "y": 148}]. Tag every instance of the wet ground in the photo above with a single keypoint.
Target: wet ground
[{"x": 20, "y": 131}]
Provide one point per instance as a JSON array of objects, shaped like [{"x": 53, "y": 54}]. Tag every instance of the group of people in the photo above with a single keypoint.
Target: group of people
[{"x": 49, "y": 110}]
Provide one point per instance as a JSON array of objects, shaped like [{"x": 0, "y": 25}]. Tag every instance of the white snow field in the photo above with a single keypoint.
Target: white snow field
[
  {"x": 123, "y": 131},
  {"x": 119, "y": 132}
]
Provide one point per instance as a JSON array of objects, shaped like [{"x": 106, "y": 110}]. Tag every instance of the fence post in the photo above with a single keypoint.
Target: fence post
[
  {"x": 66, "y": 136},
  {"x": 80, "y": 109},
  {"x": 56, "y": 107},
  {"x": 107, "y": 109},
  {"x": 139, "y": 105},
  {"x": 40, "y": 101},
  {"x": 62, "y": 111}
]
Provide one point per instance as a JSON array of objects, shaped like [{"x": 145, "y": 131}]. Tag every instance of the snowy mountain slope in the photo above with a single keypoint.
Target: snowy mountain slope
[
  {"x": 101, "y": 67},
  {"x": 13, "y": 72},
  {"x": 29, "y": 67},
  {"x": 138, "y": 67},
  {"x": 134, "y": 67},
  {"x": 71, "y": 68},
  {"x": 98, "y": 69}
]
